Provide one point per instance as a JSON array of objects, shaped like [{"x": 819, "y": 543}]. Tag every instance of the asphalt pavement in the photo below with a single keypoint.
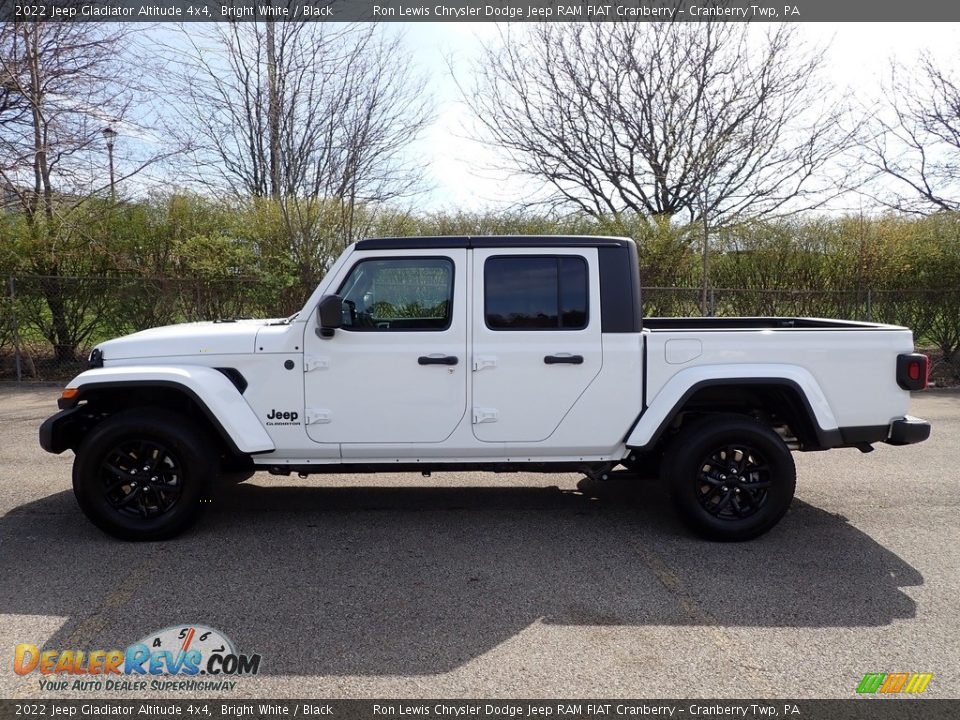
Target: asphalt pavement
[{"x": 479, "y": 585}]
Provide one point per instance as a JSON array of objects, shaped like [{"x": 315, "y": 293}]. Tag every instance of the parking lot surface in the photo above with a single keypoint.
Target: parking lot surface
[{"x": 476, "y": 585}]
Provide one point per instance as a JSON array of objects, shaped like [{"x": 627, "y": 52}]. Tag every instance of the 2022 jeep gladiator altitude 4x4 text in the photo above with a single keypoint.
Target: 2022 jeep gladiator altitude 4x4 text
[{"x": 481, "y": 353}]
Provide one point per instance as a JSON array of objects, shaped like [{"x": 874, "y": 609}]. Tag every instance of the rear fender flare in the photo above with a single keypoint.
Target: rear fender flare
[{"x": 669, "y": 402}]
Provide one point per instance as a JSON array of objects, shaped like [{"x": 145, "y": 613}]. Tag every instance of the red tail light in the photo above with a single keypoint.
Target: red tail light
[{"x": 913, "y": 371}]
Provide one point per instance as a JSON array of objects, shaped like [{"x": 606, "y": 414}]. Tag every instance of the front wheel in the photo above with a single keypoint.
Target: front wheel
[
  {"x": 729, "y": 477},
  {"x": 143, "y": 474}
]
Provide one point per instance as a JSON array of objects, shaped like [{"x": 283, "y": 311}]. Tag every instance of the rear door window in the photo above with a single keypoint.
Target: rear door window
[{"x": 532, "y": 292}]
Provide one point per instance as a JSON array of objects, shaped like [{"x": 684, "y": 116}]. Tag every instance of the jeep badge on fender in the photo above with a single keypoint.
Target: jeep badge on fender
[{"x": 278, "y": 415}]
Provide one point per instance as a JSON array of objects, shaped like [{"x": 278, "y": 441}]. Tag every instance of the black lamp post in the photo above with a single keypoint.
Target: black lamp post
[{"x": 110, "y": 135}]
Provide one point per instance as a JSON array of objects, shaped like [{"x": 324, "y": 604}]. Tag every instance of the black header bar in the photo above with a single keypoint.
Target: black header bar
[{"x": 877, "y": 708}]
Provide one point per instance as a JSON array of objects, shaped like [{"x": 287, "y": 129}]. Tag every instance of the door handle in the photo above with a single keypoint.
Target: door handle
[
  {"x": 437, "y": 360},
  {"x": 563, "y": 359}
]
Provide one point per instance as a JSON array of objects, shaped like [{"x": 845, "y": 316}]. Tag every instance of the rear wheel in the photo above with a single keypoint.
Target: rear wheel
[
  {"x": 143, "y": 474},
  {"x": 729, "y": 477}
]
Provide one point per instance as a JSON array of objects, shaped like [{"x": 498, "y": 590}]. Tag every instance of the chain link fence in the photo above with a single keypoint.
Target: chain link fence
[
  {"x": 48, "y": 325},
  {"x": 868, "y": 305}
]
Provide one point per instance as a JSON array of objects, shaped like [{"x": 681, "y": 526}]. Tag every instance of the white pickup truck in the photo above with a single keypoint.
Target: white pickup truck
[{"x": 481, "y": 353}]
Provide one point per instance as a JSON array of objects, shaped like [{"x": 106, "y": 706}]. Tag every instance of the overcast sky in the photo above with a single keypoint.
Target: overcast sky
[{"x": 858, "y": 57}]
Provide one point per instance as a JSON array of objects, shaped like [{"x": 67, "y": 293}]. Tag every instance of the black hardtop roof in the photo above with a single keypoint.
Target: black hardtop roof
[{"x": 491, "y": 241}]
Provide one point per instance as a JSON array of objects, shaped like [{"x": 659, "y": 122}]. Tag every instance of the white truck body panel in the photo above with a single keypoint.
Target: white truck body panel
[
  {"x": 516, "y": 397},
  {"x": 189, "y": 339},
  {"x": 496, "y": 354},
  {"x": 360, "y": 389},
  {"x": 845, "y": 374},
  {"x": 364, "y": 396}
]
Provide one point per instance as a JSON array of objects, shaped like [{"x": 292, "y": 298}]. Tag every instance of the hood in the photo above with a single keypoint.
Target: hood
[{"x": 200, "y": 338}]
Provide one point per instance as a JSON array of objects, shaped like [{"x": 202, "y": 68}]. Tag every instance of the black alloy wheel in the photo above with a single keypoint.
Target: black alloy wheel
[
  {"x": 142, "y": 478},
  {"x": 733, "y": 481},
  {"x": 729, "y": 476},
  {"x": 144, "y": 474}
]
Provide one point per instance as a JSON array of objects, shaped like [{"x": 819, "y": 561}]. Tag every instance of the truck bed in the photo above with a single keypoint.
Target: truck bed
[
  {"x": 850, "y": 366},
  {"x": 660, "y": 324}
]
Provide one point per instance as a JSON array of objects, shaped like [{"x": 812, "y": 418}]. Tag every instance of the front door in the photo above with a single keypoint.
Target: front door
[
  {"x": 536, "y": 340},
  {"x": 396, "y": 371}
]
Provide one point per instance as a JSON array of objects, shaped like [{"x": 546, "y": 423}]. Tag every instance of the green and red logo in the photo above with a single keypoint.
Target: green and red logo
[{"x": 894, "y": 683}]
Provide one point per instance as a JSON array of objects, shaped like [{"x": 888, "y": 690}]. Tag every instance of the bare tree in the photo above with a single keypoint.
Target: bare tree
[
  {"x": 58, "y": 91},
  {"x": 308, "y": 114},
  {"x": 916, "y": 139},
  {"x": 661, "y": 119},
  {"x": 58, "y": 95}
]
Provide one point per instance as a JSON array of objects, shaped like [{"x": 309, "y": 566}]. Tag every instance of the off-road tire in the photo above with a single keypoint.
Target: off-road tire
[
  {"x": 170, "y": 463},
  {"x": 729, "y": 477}
]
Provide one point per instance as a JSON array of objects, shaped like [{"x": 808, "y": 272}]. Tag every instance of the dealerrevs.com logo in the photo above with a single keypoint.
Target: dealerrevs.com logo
[{"x": 181, "y": 657}]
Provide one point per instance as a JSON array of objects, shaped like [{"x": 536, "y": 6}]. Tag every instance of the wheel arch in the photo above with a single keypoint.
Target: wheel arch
[
  {"x": 205, "y": 394},
  {"x": 775, "y": 398}
]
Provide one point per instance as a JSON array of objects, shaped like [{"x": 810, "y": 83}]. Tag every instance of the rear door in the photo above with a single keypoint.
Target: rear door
[{"x": 536, "y": 339}]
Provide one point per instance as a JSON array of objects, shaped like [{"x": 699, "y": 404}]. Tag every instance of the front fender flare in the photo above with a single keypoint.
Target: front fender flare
[{"x": 210, "y": 389}]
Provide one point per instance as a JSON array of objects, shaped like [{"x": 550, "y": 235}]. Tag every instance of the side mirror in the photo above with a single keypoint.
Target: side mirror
[{"x": 329, "y": 315}]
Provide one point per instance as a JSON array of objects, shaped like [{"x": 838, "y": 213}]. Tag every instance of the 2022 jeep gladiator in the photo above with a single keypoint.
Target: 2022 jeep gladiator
[{"x": 481, "y": 353}]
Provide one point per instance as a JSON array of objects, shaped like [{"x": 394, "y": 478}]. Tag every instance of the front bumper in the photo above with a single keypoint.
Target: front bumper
[
  {"x": 908, "y": 430},
  {"x": 59, "y": 432}
]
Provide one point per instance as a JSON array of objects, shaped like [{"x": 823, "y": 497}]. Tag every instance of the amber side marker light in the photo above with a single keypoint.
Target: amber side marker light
[{"x": 69, "y": 393}]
